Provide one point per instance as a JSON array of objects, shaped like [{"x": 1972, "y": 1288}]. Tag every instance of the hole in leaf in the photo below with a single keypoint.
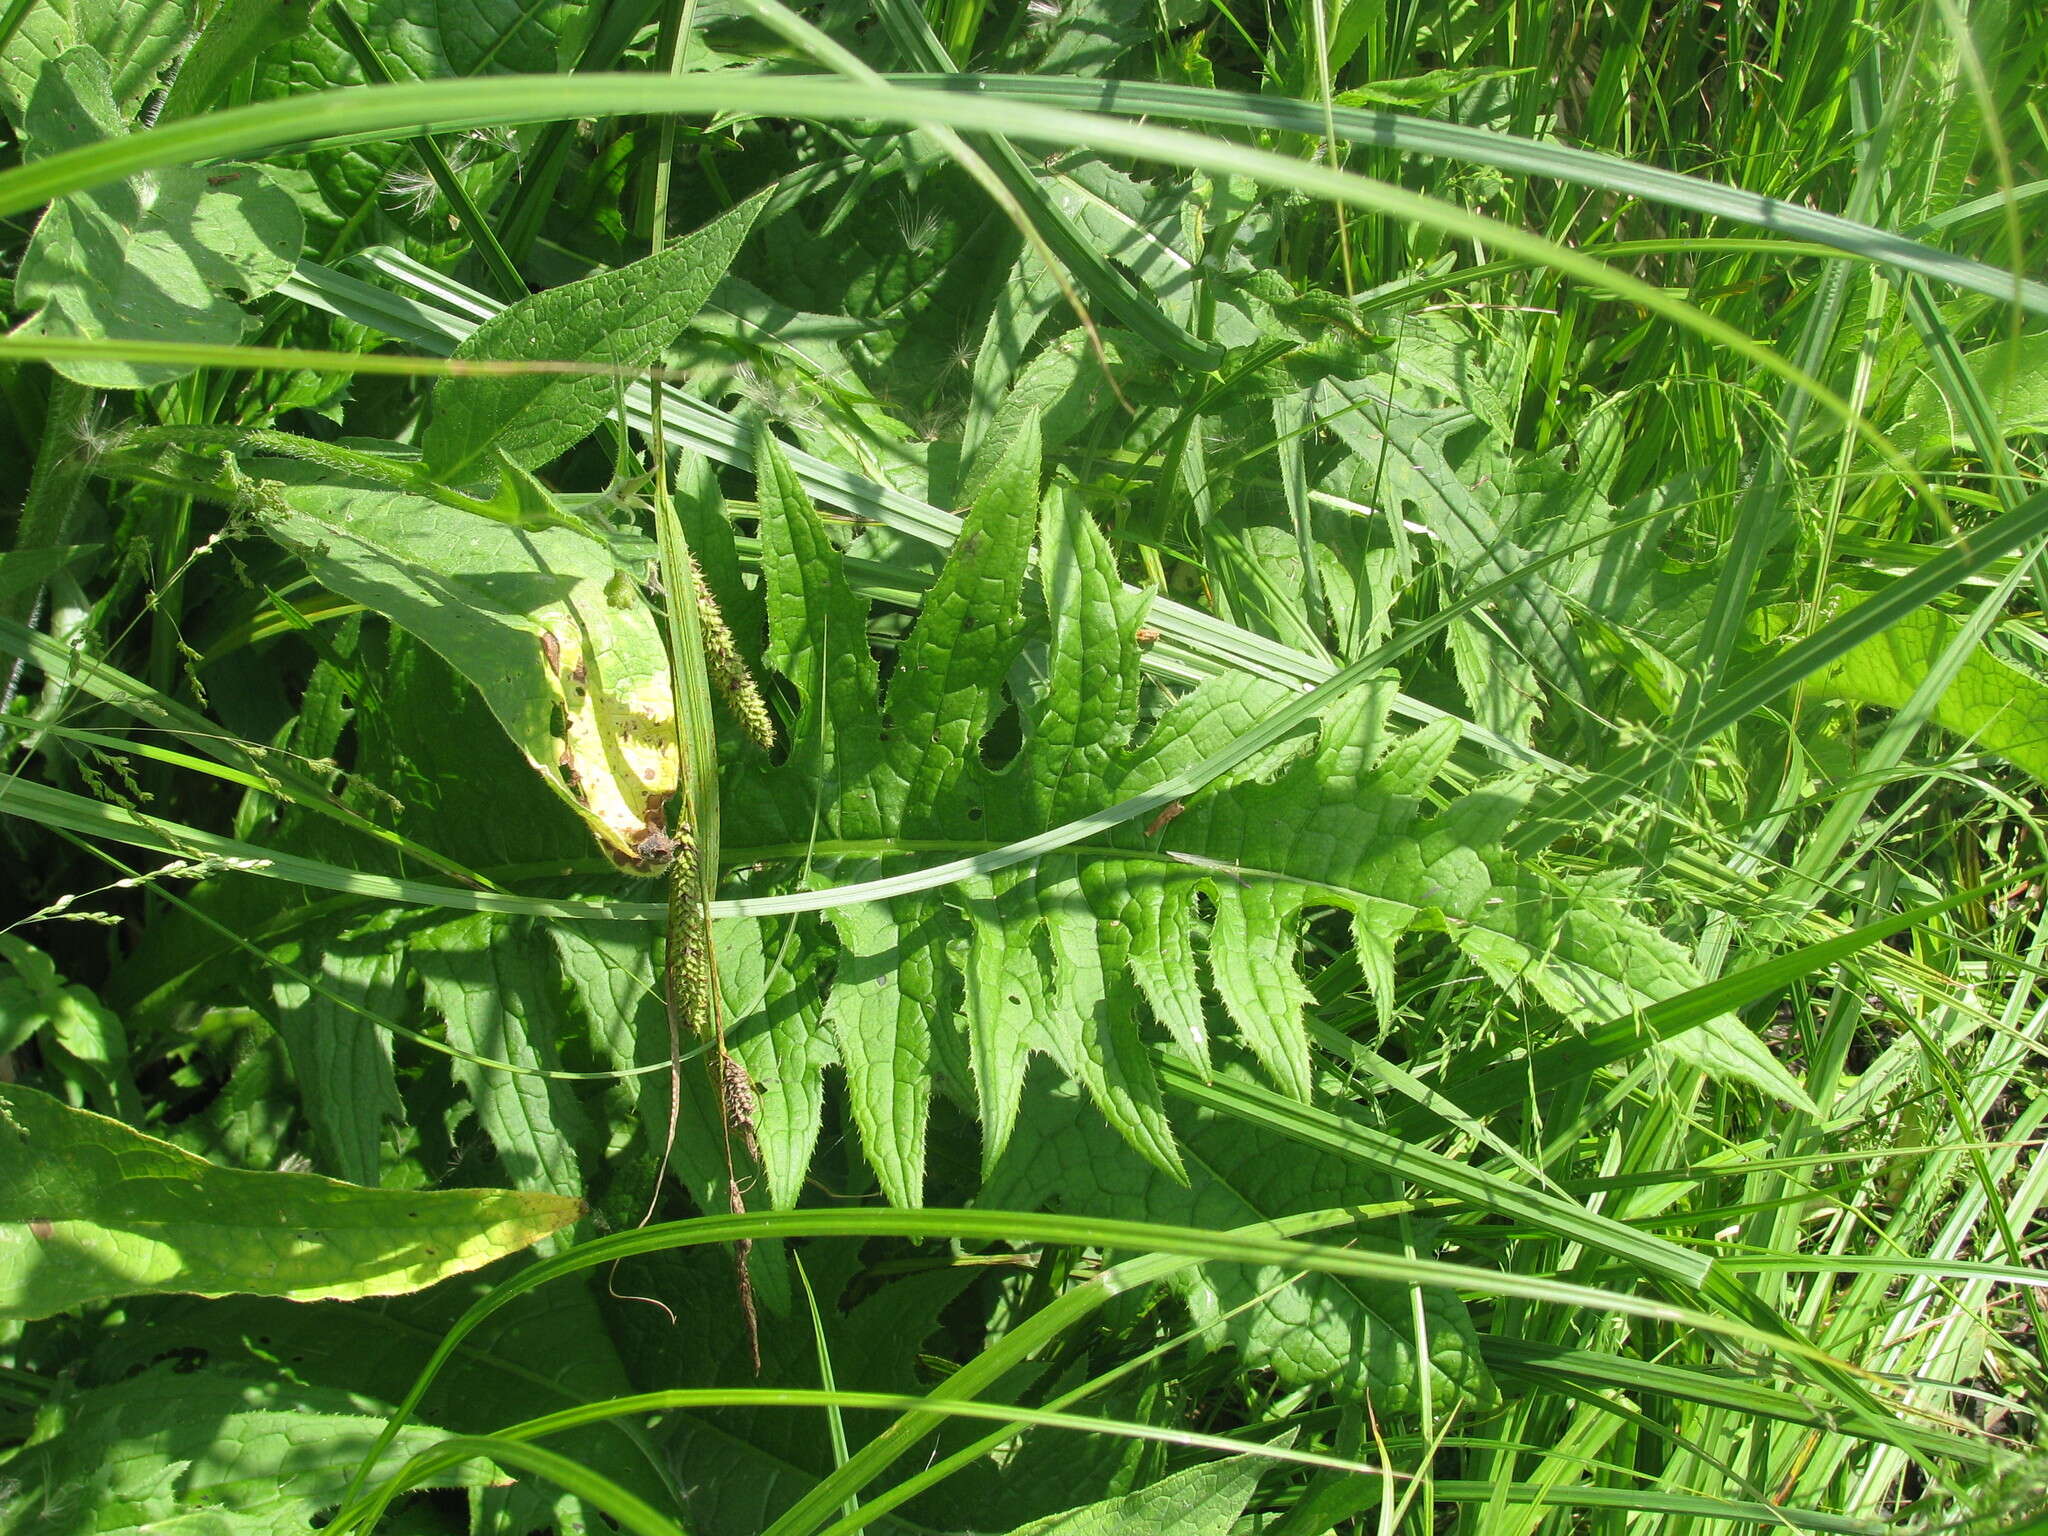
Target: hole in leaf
[{"x": 1003, "y": 739}]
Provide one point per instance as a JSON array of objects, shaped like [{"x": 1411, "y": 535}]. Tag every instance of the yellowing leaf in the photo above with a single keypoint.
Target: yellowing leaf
[
  {"x": 548, "y": 628},
  {"x": 91, "y": 1209}
]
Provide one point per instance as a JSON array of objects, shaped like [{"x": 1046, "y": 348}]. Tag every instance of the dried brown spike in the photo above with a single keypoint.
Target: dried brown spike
[{"x": 742, "y": 1106}]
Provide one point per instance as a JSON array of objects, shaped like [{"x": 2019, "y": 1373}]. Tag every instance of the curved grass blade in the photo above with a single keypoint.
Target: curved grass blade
[
  {"x": 1319, "y": 1128},
  {"x": 1014, "y": 1226},
  {"x": 1404, "y": 134},
  {"x": 599, "y": 1492},
  {"x": 1512, "y": 1082},
  {"x": 328, "y": 116},
  {"x": 1973, "y": 551}
]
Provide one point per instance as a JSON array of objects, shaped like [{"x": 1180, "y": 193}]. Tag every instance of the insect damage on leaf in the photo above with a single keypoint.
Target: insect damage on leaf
[
  {"x": 619, "y": 757},
  {"x": 555, "y": 636}
]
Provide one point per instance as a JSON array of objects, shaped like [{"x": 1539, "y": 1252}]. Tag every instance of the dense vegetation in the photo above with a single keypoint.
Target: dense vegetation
[{"x": 1080, "y": 766}]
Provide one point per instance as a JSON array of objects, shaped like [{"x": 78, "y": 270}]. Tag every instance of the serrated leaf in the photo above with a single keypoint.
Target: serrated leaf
[
  {"x": 771, "y": 998},
  {"x": 1088, "y": 1020},
  {"x": 879, "y": 1013},
  {"x": 1439, "y": 465},
  {"x": 770, "y": 987},
  {"x": 1586, "y": 956},
  {"x": 203, "y": 1454},
  {"x": 150, "y": 259},
  {"x": 1057, "y": 957},
  {"x": 90, "y": 1210},
  {"x": 624, "y": 318},
  {"x": 811, "y": 611},
  {"x": 1089, "y": 705}
]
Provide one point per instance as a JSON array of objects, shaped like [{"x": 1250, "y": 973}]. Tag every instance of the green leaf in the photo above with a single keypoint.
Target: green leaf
[
  {"x": 1202, "y": 1501},
  {"x": 546, "y": 626},
  {"x": 880, "y": 1015},
  {"x": 90, "y": 1209},
  {"x": 614, "y": 980},
  {"x": 1352, "y": 1337},
  {"x": 415, "y": 40},
  {"x": 232, "y": 39},
  {"x": 1582, "y": 952},
  {"x": 1417, "y": 93},
  {"x": 149, "y": 259},
  {"x": 90, "y": 1042},
  {"x": 769, "y": 978},
  {"x": 24, "y": 570},
  {"x": 612, "y": 975},
  {"x": 340, "y": 1057},
  {"x": 1992, "y": 703},
  {"x": 2013, "y": 375},
  {"x": 203, "y": 1454},
  {"x": 1057, "y": 958},
  {"x": 1443, "y": 466},
  {"x": 494, "y": 992},
  {"x": 549, "y": 1349},
  {"x": 137, "y": 37},
  {"x": 625, "y": 318}
]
